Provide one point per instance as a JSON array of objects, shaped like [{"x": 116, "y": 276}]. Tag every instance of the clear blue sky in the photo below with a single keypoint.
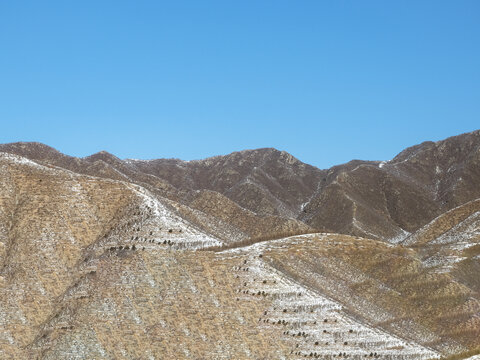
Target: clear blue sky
[{"x": 327, "y": 81}]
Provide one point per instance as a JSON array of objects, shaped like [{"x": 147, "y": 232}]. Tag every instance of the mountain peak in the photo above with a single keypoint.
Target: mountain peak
[
  {"x": 32, "y": 150},
  {"x": 102, "y": 155}
]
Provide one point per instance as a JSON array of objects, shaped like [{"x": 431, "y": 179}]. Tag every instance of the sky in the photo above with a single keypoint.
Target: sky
[{"x": 327, "y": 81}]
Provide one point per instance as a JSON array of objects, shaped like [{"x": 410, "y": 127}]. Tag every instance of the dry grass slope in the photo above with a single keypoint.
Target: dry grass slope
[
  {"x": 388, "y": 287},
  {"x": 107, "y": 267}
]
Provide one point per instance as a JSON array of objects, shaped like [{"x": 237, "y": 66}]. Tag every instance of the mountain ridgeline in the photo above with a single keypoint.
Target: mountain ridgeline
[{"x": 386, "y": 200}]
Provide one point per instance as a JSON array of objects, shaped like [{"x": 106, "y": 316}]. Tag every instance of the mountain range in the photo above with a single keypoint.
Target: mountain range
[{"x": 251, "y": 255}]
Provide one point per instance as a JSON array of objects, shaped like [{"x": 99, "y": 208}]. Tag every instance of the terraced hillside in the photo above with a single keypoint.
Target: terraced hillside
[
  {"x": 95, "y": 268},
  {"x": 106, "y": 258},
  {"x": 450, "y": 244},
  {"x": 388, "y": 287}
]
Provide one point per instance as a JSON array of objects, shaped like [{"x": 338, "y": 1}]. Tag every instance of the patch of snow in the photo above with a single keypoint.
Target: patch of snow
[
  {"x": 22, "y": 160},
  {"x": 442, "y": 263},
  {"x": 402, "y": 235},
  {"x": 183, "y": 234},
  {"x": 474, "y": 357},
  {"x": 359, "y": 226},
  {"x": 464, "y": 231}
]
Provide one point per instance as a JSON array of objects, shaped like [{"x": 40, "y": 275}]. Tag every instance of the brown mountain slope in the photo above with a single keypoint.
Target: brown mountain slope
[
  {"x": 382, "y": 200},
  {"x": 77, "y": 277},
  {"x": 367, "y": 201},
  {"x": 108, "y": 166},
  {"x": 265, "y": 181},
  {"x": 451, "y": 244},
  {"x": 385, "y": 199},
  {"x": 245, "y": 221},
  {"x": 92, "y": 267},
  {"x": 386, "y": 286},
  {"x": 100, "y": 268}
]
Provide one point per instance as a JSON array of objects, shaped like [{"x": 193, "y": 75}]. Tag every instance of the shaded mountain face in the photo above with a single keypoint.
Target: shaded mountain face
[
  {"x": 265, "y": 181},
  {"x": 385, "y": 200}
]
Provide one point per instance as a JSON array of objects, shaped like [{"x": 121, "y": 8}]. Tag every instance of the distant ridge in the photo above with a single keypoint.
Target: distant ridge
[{"x": 385, "y": 200}]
